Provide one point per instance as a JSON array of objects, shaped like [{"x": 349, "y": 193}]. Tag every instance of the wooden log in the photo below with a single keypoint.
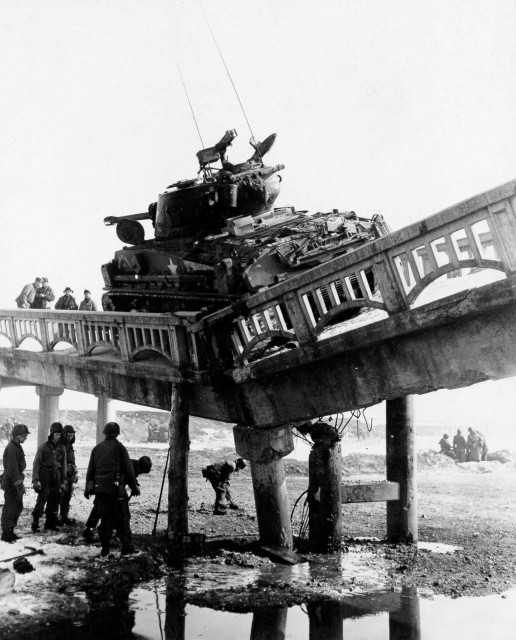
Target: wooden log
[
  {"x": 370, "y": 492},
  {"x": 179, "y": 442}
]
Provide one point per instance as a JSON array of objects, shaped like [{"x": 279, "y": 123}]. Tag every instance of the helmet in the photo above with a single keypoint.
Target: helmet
[
  {"x": 446, "y": 435},
  {"x": 144, "y": 464},
  {"x": 68, "y": 429},
  {"x": 56, "y": 427},
  {"x": 19, "y": 430},
  {"x": 111, "y": 429},
  {"x": 240, "y": 463}
]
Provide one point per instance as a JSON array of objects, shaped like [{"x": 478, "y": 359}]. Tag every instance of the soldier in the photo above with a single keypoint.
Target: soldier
[
  {"x": 446, "y": 447},
  {"x": 218, "y": 474},
  {"x": 87, "y": 304},
  {"x": 28, "y": 293},
  {"x": 109, "y": 470},
  {"x": 483, "y": 446},
  {"x": 474, "y": 446},
  {"x": 48, "y": 478},
  {"x": 142, "y": 465},
  {"x": 459, "y": 446},
  {"x": 67, "y": 302},
  {"x": 67, "y": 441},
  {"x": 12, "y": 482},
  {"x": 44, "y": 295}
]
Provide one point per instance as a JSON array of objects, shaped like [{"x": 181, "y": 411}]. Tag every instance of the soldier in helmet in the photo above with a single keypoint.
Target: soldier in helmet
[
  {"x": 28, "y": 293},
  {"x": 12, "y": 482},
  {"x": 49, "y": 478},
  {"x": 109, "y": 470},
  {"x": 142, "y": 465},
  {"x": 446, "y": 447},
  {"x": 67, "y": 440},
  {"x": 218, "y": 474}
]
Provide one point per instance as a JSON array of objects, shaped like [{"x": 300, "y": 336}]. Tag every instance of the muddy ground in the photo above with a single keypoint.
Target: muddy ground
[{"x": 468, "y": 506}]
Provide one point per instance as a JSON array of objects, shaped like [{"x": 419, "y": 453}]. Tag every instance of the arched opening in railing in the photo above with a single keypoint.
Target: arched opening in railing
[
  {"x": 30, "y": 343},
  {"x": 146, "y": 354},
  {"x": 63, "y": 347},
  {"x": 5, "y": 341}
]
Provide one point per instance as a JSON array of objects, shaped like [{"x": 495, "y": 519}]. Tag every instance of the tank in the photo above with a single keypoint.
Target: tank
[{"x": 218, "y": 238}]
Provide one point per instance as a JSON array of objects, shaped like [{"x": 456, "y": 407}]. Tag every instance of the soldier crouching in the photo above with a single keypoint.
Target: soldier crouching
[{"x": 218, "y": 474}]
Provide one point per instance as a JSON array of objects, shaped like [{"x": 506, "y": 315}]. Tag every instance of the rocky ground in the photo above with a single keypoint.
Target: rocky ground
[{"x": 469, "y": 507}]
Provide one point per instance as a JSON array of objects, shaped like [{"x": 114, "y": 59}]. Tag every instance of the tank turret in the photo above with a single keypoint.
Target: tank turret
[{"x": 218, "y": 237}]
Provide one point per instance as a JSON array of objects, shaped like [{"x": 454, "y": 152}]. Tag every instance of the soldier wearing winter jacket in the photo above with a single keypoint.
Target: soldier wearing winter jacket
[
  {"x": 109, "y": 470},
  {"x": 48, "y": 479},
  {"x": 12, "y": 482},
  {"x": 218, "y": 474},
  {"x": 67, "y": 440}
]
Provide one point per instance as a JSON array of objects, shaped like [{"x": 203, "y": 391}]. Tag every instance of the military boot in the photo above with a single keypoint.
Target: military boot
[{"x": 7, "y": 536}]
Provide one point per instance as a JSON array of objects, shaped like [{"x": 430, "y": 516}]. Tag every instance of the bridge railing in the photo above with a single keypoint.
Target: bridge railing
[
  {"x": 387, "y": 274},
  {"x": 128, "y": 336}
]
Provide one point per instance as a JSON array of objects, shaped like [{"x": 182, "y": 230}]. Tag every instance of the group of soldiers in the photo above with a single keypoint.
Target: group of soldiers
[
  {"x": 54, "y": 474},
  {"x": 39, "y": 295},
  {"x": 474, "y": 449}
]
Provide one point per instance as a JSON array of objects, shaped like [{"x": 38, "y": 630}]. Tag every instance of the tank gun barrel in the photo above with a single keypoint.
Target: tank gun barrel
[{"x": 110, "y": 220}]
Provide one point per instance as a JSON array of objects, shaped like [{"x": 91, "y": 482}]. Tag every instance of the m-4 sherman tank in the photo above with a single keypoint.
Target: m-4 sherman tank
[{"x": 219, "y": 238}]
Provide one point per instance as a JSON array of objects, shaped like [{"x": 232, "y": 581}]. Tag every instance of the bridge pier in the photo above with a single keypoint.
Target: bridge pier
[
  {"x": 401, "y": 468},
  {"x": 48, "y": 410},
  {"x": 179, "y": 443},
  {"x": 105, "y": 413},
  {"x": 265, "y": 448}
]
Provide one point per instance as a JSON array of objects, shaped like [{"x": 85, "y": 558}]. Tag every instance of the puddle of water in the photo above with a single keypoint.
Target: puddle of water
[{"x": 381, "y": 616}]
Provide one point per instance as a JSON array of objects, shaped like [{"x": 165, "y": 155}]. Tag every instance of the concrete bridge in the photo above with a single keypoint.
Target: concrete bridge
[{"x": 299, "y": 350}]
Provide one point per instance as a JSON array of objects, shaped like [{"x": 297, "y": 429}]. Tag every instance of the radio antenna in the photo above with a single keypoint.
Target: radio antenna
[
  {"x": 191, "y": 108},
  {"x": 229, "y": 75}
]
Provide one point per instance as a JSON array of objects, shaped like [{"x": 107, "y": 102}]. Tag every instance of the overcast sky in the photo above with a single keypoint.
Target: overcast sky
[{"x": 400, "y": 108}]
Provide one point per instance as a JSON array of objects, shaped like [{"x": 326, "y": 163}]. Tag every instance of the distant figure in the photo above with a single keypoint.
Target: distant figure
[
  {"x": 67, "y": 301},
  {"x": 446, "y": 447},
  {"x": 474, "y": 446},
  {"x": 87, "y": 304},
  {"x": 48, "y": 479},
  {"x": 459, "y": 446},
  {"x": 12, "y": 482},
  {"x": 142, "y": 465},
  {"x": 109, "y": 470},
  {"x": 28, "y": 293},
  {"x": 44, "y": 296},
  {"x": 483, "y": 446},
  {"x": 67, "y": 440},
  {"x": 7, "y": 427},
  {"x": 218, "y": 474}
]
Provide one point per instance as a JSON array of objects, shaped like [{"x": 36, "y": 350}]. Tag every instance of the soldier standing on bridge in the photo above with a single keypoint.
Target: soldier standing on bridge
[
  {"x": 44, "y": 296},
  {"x": 67, "y": 302},
  {"x": 12, "y": 482},
  {"x": 28, "y": 293},
  {"x": 109, "y": 470},
  {"x": 48, "y": 478},
  {"x": 474, "y": 446},
  {"x": 218, "y": 474},
  {"x": 87, "y": 304},
  {"x": 446, "y": 447},
  {"x": 67, "y": 441}
]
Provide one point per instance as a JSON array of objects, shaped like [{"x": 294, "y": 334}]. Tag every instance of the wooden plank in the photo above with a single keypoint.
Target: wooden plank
[{"x": 370, "y": 492}]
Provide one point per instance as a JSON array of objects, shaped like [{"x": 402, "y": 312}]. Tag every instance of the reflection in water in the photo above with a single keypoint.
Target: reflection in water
[{"x": 386, "y": 615}]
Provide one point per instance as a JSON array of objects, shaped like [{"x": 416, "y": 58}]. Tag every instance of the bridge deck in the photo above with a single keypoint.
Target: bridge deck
[{"x": 298, "y": 350}]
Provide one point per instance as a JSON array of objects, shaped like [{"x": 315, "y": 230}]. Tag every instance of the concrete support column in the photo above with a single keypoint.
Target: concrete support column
[
  {"x": 179, "y": 443},
  {"x": 48, "y": 410},
  {"x": 105, "y": 413},
  {"x": 401, "y": 468},
  {"x": 325, "y": 489},
  {"x": 265, "y": 448}
]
